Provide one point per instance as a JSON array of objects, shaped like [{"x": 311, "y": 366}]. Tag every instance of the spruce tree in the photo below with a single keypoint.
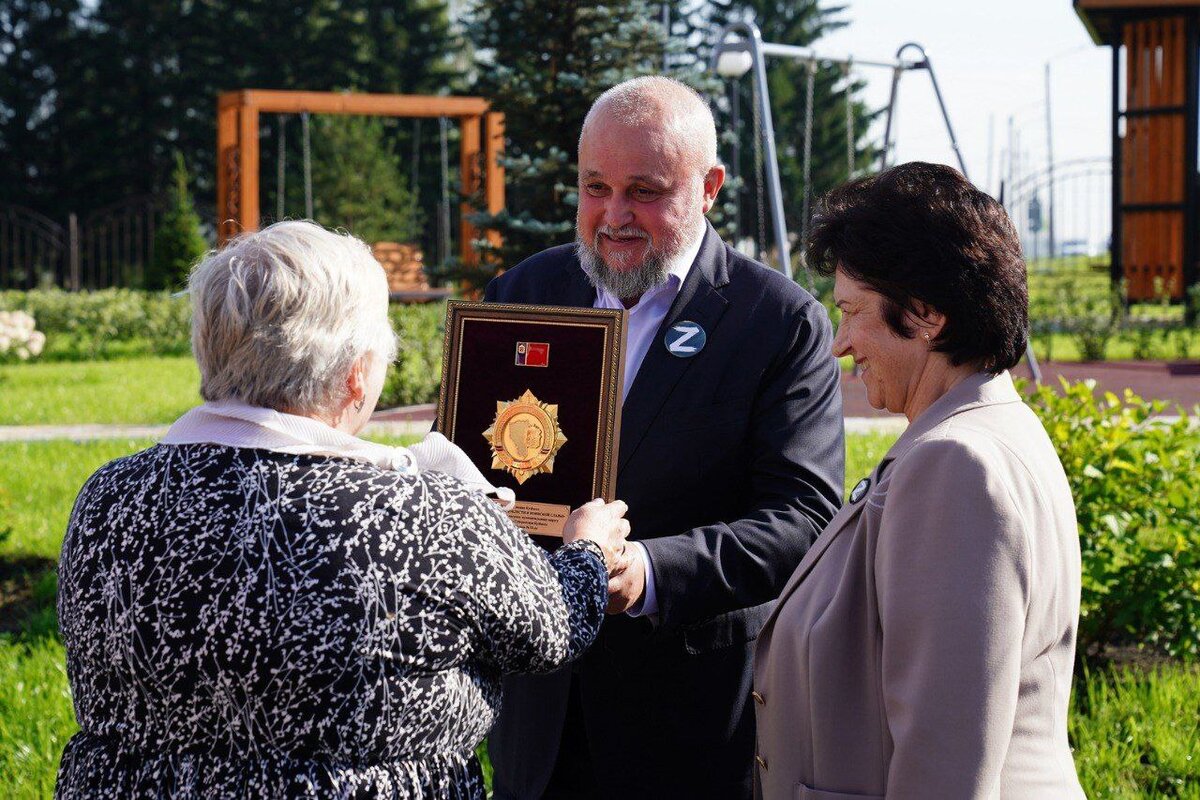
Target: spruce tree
[
  {"x": 97, "y": 95},
  {"x": 358, "y": 183},
  {"x": 39, "y": 46},
  {"x": 543, "y": 63},
  {"x": 178, "y": 244}
]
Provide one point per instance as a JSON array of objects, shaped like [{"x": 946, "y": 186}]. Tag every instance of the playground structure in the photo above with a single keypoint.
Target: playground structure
[
  {"x": 481, "y": 143},
  {"x": 741, "y": 49},
  {"x": 1155, "y": 46}
]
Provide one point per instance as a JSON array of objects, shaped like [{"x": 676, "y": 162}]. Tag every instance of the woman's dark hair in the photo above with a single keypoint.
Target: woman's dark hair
[{"x": 922, "y": 233}]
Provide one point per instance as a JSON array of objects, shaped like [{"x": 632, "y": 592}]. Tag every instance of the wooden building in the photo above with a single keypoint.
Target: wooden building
[{"x": 1155, "y": 46}]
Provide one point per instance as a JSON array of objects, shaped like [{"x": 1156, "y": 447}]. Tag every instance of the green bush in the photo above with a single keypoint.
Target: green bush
[
  {"x": 1135, "y": 483},
  {"x": 416, "y": 377},
  {"x": 84, "y": 326},
  {"x": 1091, "y": 319}
]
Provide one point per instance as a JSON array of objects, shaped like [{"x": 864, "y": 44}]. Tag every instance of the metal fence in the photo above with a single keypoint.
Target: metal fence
[
  {"x": 1064, "y": 211},
  {"x": 31, "y": 245},
  {"x": 111, "y": 246}
]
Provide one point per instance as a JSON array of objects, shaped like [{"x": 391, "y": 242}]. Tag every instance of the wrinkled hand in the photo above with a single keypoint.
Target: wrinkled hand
[
  {"x": 627, "y": 583},
  {"x": 603, "y": 524}
]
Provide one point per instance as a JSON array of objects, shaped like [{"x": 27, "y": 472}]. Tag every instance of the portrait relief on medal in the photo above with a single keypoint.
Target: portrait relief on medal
[{"x": 525, "y": 437}]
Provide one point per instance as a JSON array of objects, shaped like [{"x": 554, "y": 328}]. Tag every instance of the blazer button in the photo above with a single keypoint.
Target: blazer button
[
  {"x": 758, "y": 698},
  {"x": 762, "y": 762}
]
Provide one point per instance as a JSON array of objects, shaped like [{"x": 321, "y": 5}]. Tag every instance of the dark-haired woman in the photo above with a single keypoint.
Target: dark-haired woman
[{"x": 924, "y": 646}]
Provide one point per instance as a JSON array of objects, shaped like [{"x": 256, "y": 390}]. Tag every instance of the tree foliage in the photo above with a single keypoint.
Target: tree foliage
[
  {"x": 358, "y": 183},
  {"x": 96, "y": 97},
  {"x": 178, "y": 244},
  {"x": 543, "y": 63}
]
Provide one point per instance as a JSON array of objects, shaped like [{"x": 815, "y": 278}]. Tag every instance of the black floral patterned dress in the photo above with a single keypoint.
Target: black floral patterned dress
[{"x": 244, "y": 623}]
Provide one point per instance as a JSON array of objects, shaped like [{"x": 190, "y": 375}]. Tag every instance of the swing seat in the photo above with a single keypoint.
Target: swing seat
[{"x": 404, "y": 266}]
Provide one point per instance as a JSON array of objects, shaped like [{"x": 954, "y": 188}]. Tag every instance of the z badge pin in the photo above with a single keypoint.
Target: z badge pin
[
  {"x": 685, "y": 339},
  {"x": 860, "y": 490}
]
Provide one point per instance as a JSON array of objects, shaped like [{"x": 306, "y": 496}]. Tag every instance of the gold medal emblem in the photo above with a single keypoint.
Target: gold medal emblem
[{"x": 525, "y": 437}]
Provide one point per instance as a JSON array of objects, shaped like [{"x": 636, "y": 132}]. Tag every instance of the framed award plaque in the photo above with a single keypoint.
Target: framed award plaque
[{"x": 532, "y": 394}]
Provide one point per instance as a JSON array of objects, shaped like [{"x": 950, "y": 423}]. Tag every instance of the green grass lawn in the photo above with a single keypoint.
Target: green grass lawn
[
  {"x": 156, "y": 390},
  {"x": 1135, "y": 733},
  {"x": 135, "y": 391}
]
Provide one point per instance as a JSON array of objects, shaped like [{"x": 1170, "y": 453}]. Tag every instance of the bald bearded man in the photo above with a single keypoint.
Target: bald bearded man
[{"x": 731, "y": 462}]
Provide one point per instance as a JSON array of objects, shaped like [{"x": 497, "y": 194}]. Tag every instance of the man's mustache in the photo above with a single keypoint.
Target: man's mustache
[{"x": 624, "y": 232}]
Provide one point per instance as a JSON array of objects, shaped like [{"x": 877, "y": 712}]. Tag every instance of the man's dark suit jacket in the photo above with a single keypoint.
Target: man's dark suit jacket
[{"x": 731, "y": 462}]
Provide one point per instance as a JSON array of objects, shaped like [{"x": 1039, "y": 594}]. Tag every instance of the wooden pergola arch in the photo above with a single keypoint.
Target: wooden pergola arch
[{"x": 238, "y": 158}]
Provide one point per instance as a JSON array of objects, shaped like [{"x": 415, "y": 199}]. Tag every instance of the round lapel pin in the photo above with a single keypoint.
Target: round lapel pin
[
  {"x": 860, "y": 490},
  {"x": 685, "y": 339}
]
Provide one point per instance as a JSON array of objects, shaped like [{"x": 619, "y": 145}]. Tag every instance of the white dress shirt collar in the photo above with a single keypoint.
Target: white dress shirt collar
[{"x": 642, "y": 326}]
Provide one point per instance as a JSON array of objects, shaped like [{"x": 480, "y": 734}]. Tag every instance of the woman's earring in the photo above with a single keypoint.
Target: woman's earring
[
  {"x": 362, "y": 401},
  {"x": 926, "y": 335}
]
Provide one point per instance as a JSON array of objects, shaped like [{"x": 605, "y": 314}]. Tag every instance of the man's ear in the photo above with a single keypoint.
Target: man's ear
[{"x": 713, "y": 181}]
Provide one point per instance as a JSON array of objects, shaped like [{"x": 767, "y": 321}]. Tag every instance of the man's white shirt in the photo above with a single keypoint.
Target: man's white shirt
[{"x": 643, "y": 323}]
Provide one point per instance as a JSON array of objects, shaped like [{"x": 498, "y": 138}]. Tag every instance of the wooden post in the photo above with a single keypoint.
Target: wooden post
[
  {"x": 248, "y": 152},
  {"x": 469, "y": 164},
  {"x": 228, "y": 183},
  {"x": 493, "y": 148},
  {"x": 73, "y": 245}
]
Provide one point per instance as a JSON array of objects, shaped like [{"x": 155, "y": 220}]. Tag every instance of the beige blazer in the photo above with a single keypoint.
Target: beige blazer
[{"x": 924, "y": 646}]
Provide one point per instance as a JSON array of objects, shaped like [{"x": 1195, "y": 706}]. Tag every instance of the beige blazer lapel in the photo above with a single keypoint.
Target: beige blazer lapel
[
  {"x": 842, "y": 520},
  {"x": 978, "y": 390}
]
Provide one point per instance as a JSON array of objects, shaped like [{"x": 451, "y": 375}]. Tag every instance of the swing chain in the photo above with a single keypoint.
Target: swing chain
[
  {"x": 308, "y": 195},
  {"x": 281, "y": 169},
  {"x": 809, "y": 91},
  {"x": 851, "y": 139}
]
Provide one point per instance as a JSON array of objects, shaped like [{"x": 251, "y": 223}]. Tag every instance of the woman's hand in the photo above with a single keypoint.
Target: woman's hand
[{"x": 604, "y": 524}]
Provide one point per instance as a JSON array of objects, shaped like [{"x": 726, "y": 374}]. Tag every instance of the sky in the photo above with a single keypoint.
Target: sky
[{"x": 990, "y": 60}]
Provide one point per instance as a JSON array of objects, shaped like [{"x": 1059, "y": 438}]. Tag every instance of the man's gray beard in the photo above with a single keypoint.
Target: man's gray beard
[{"x": 623, "y": 284}]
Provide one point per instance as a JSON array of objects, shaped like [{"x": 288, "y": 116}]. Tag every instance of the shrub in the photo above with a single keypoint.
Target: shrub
[
  {"x": 1183, "y": 338},
  {"x": 1142, "y": 336},
  {"x": 178, "y": 244},
  {"x": 1092, "y": 320},
  {"x": 416, "y": 377},
  {"x": 1134, "y": 481},
  {"x": 19, "y": 337},
  {"x": 81, "y": 326}
]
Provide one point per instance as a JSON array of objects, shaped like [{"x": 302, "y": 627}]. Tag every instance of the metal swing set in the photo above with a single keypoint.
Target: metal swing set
[
  {"x": 281, "y": 170},
  {"x": 741, "y": 49}
]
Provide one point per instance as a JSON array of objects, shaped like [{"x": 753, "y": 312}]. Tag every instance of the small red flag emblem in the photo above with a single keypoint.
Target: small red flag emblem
[{"x": 533, "y": 354}]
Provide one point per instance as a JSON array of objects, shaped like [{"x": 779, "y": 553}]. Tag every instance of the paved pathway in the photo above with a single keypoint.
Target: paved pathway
[{"x": 1148, "y": 379}]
